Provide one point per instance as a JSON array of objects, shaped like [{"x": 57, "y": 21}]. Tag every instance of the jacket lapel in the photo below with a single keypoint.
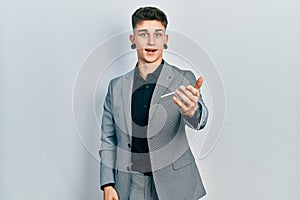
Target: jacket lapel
[
  {"x": 126, "y": 94},
  {"x": 163, "y": 86}
]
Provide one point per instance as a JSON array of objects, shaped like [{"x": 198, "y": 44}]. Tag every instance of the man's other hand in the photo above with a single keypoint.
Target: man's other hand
[{"x": 110, "y": 193}]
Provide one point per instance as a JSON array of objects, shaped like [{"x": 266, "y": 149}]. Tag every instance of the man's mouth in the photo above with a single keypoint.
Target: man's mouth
[{"x": 151, "y": 50}]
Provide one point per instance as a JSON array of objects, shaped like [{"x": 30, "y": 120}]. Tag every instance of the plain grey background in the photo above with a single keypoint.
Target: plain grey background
[{"x": 255, "y": 45}]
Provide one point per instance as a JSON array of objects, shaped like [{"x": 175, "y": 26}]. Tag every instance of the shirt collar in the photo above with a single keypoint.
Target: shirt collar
[{"x": 155, "y": 74}]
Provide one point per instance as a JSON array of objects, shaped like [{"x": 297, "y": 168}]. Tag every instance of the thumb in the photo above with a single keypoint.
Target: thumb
[{"x": 199, "y": 83}]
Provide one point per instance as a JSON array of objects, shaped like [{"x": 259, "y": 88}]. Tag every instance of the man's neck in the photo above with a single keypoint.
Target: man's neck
[{"x": 148, "y": 68}]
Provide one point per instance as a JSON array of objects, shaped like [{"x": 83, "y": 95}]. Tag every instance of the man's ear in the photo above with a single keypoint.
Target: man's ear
[
  {"x": 166, "y": 38},
  {"x": 131, "y": 38}
]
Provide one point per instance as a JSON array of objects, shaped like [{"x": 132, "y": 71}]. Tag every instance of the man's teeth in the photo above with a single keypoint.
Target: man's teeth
[{"x": 151, "y": 50}]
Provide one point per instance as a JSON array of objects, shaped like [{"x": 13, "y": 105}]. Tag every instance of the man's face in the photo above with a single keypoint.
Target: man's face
[{"x": 149, "y": 37}]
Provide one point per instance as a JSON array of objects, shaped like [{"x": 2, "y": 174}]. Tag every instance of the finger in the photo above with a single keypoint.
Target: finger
[
  {"x": 188, "y": 102},
  {"x": 116, "y": 198},
  {"x": 179, "y": 103},
  {"x": 199, "y": 82},
  {"x": 193, "y": 93},
  {"x": 184, "y": 95}
]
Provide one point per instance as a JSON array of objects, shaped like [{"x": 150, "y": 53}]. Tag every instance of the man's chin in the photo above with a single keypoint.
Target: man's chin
[{"x": 151, "y": 60}]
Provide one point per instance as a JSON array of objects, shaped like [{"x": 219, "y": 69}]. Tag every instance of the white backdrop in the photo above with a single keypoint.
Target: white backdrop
[{"x": 255, "y": 45}]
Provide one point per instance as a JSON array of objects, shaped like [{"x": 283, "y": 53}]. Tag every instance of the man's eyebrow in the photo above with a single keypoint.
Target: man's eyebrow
[{"x": 142, "y": 30}]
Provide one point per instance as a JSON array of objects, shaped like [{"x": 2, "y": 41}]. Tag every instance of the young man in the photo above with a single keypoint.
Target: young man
[{"x": 144, "y": 151}]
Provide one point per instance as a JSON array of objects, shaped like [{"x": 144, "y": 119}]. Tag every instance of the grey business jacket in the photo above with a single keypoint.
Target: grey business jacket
[{"x": 175, "y": 173}]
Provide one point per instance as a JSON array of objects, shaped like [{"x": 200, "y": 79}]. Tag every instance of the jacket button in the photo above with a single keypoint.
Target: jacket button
[
  {"x": 128, "y": 168},
  {"x": 129, "y": 145}
]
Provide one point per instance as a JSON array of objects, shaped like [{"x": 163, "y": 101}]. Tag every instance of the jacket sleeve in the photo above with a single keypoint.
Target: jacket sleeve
[
  {"x": 199, "y": 119},
  {"x": 107, "y": 150}
]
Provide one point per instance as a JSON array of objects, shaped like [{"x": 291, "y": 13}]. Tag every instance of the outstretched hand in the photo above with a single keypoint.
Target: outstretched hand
[{"x": 189, "y": 97}]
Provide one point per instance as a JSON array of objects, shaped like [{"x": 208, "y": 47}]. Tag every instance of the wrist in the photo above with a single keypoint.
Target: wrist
[
  {"x": 194, "y": 113},
  {"x": 106, "y": 185},
  {"x": 109, "y": 187}
]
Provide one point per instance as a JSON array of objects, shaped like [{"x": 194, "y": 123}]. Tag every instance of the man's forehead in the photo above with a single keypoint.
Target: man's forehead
[
  {"x": 149, "y": 29},
  {"x": 150, "y": 24}
]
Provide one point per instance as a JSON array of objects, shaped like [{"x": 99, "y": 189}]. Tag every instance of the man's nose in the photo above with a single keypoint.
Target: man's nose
[{"x": 151, "y": 40}]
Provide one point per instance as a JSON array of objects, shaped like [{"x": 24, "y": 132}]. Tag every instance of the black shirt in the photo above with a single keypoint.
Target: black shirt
[{"x": 141, "y": 98}]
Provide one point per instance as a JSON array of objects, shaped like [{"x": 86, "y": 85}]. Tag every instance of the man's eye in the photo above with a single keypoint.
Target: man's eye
[
  {"x": 158, "y": 35},
  {"x": 143, "y": 34}
]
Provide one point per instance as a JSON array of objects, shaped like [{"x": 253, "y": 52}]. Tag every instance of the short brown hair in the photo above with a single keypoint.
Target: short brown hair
[{"x": 148, "y": 13}]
